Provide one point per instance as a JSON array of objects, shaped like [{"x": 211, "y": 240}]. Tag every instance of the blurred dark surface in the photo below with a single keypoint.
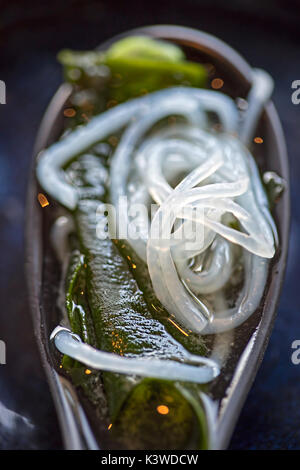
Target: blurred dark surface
[{"x": 31, "y": 33}]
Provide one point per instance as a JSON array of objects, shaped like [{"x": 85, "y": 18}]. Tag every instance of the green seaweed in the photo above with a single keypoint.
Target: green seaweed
[
  {"x": 108, "y": 310},
  {"x": 192, "y": 342},
  {"x": 109, "y": 297},
  {"x": 129, "y": 68}
]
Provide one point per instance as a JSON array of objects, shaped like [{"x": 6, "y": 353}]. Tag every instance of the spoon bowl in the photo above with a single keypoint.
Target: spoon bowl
[{"x": 79, "y": 428}]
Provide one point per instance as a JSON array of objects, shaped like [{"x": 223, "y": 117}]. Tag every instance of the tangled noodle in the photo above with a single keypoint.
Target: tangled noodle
[{"x": 203, "y": 181}]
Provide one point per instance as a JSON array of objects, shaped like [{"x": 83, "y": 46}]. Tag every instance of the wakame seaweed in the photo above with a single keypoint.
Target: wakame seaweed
[
  {"x": 108, "y": 310},
  {"x": 109, "y": 297},
  {"x": 127, "y": 70}
]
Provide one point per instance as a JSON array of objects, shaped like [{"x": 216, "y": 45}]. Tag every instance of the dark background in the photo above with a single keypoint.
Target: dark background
[{"x": 267, "y": 33}]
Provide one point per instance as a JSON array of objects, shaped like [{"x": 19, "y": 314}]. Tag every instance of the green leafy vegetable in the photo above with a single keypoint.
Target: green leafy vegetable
[
  {"x": 131, "y": 67},
  {"x": 109, "y": 296},
  {"x": 107, "y": 309}
]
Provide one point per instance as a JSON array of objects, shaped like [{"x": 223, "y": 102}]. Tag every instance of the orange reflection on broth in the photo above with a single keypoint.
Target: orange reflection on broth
[
  {"x": 69, "y": 112},
  {"x": 43, "y": 200},
  {"x": 162, "y": 409},
  {"x": 178, "y": 327},
  {"x": 217, "y": 83}
]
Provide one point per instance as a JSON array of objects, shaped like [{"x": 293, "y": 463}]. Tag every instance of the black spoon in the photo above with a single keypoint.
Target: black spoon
[{"x": 250, "y": 339}]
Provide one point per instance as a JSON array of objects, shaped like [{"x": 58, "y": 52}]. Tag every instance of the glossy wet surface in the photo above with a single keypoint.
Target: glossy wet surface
[{"x": 29, "y": 41}]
